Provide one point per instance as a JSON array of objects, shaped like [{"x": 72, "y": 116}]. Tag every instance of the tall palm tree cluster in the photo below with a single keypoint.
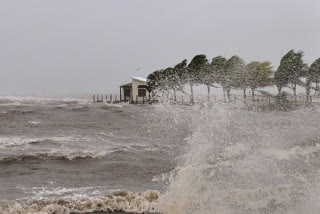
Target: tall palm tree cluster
[{"x": 234, "y": 73}]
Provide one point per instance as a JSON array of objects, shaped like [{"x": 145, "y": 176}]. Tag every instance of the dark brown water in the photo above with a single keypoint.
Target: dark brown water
[
  {"x": 54, "y": 149},
  {"x": 62, "y": 157}
]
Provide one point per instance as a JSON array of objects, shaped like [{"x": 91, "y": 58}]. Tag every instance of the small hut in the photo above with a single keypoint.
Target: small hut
[{"x": 134, "y": 91}]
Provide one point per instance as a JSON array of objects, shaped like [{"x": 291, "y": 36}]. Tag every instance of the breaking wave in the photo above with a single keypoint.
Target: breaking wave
[
  {"x": 240, "y": 161},
  {"x": 54, "y": 156},
  {"x": 6, "y": 142},
  {"x": 125, "y": 201}
]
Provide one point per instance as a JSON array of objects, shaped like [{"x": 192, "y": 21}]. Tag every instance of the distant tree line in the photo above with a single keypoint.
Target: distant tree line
[{"x": 235, "y": 73}]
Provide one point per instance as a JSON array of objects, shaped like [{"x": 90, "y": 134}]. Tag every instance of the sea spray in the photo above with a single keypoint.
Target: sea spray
[
  {"x": 121, "y": 201},
  {"x": 240, "y": 161}
]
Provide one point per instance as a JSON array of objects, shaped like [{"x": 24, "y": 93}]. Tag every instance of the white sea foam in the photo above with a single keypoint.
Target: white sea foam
[
  {"x": 116, "y": 105},
  {"x": 123, "y": 201},
  {"x": 53, "y": 155},
  {"x": 11, "y": 141},
  {"x": 49, "y": 191},
  {"x": 295, "y": 152},
  {"x": 28, "y": 100},
  {"x": 243, "y": 162},
  {"x": 31, "y": 122}
]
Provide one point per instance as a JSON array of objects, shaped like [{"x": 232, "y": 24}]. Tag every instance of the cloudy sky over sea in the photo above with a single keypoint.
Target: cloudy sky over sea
[{"x": 93, "y": 46}]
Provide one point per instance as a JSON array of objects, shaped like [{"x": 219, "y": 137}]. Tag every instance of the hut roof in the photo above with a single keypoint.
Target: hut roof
[{"x": 141, "y": 79}]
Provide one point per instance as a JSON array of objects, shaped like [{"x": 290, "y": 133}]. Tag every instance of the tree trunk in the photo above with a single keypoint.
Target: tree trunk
[
  {"x": 316, "y": 89},
  {"x": 174, "y": 95},
  {"x": 224, "y": 94},
  {"x": 252, "y": 94},
  {"x": 308, "y": 90},
  {"x": 228, "y": 93},
  {"x": 308, "y": 95},
  {"x": 191, "y": 89},
  {"x": 279, "y": 90},
  {"x": 244, "y": 94},
  {"x": 208, "y": 92},
  {"x": 295, "y": 93}
]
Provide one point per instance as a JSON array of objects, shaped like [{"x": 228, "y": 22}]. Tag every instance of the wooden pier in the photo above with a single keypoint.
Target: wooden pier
[{"x": 96, "y": 98}]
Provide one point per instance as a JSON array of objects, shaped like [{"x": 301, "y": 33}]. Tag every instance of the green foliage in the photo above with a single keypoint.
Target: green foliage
[
  {"x": 297, "y": 68},
  {"x": 198, "y": 62},
  {"x": 218, "y": 65},
  {"x": 237, "y": 72},
  {"x": 152, "y": 81},
  {"x": 181, "y": 71},
  {"x": 259, "y": 74},
  {"x": 167, "y": 79},
  {"x": 234, "y": 73},
  {"x": 314, "y": 71},
  {"x": 290, "y": 70},
  {"x": 194, "y": 68}
]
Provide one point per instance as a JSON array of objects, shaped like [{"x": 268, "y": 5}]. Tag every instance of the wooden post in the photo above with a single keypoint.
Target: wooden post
[{"x": 111, "y": 98}]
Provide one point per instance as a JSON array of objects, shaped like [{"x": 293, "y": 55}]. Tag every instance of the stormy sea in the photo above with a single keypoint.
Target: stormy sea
[{"x": 63, "y": 156}]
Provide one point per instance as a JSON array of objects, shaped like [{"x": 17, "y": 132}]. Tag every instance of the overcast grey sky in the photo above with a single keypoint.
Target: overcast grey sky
[{"x": 63, "y": 46}]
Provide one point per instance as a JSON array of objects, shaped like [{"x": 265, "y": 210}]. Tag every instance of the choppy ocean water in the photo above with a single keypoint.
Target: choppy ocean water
[
  {"x": 73, "y": 156},
  {"x": 53, "y": 149}
]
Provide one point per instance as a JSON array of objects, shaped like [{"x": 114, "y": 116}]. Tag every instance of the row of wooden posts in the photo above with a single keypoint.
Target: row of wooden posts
[
  {"x": 114, "y": 99},
  {"x": 104, "y": 98}
]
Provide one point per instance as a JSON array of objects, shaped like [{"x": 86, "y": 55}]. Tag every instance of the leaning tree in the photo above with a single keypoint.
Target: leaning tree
[
  {"x": 259, "y": 75},
  {"x": 181, "y": 73},
  {"x": 218, "y": 64},
  {"x": 208, "y": 76},
  {"x": 237, "y": 74},
  {"x": 289, "y": 72},
  {"x": 194, "y": 68},
  {"x": 314, "y": 72}
]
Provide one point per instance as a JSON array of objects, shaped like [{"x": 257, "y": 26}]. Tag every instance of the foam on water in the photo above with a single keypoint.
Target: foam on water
[
  {"x": 232, "y": 161},
  {"x": 11, "y": 141},
  {"x": 123, "y": 201},
  {"x": 50, "y": 191},
  {"x": 67, "y": 155},
  {"x": 240, "y": 161}
]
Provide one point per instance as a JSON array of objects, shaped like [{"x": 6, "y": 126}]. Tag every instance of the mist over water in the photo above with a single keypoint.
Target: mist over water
[
  {"x": 76, "y": 157},
  {"x": 239, "y": 161}
]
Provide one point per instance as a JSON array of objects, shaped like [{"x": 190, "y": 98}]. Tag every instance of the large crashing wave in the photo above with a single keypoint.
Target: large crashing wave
[
  {"x": 240, "y": 161},
  {"x": 234, "y": 161},
  {"x": 120, "y": 201}
]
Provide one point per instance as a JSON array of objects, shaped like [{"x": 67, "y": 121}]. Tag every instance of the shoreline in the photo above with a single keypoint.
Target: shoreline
[{"x": 114, "y": 212}]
